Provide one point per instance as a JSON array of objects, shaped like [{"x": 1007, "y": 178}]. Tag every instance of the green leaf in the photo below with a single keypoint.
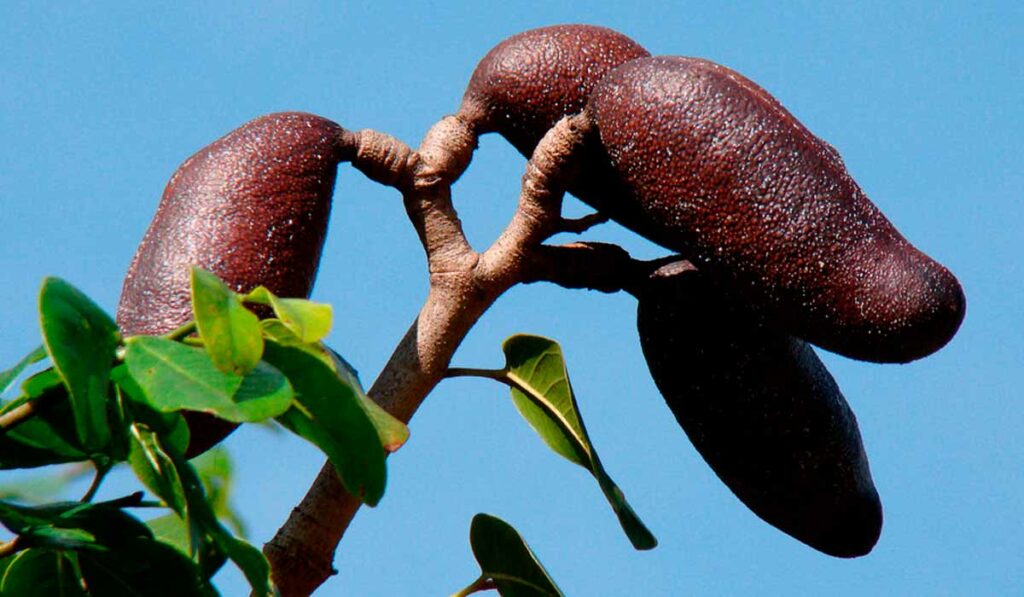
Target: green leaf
[
  {"x": 328, "y": 414},
  {"x": 505, "y": 558},
  {"x": 49, "y": 436},
  {"x": 541, "y": 391},
  {"x": 172, "y": 530},
  {"x": 41, "y": 383},
  {"x": 5, "y": 563},
  {"x": 310, "y": 321},
  {"x": 80, "y": 339},
  {"x": 230, "y": 332},
  {"x": 171, "y": 426},
  {"x": 155, "y": 468},
  {"x": 392, "y": 433},
  {"x": 142, "y": 567},
  {"x": 39, "y": 572},
  {"x": 206, "y": 529},
  {"x": 75, "y": 525},
  {"x": 7, "y": 377},
  {"x": 216, "y": 472},
  {"x": 58, "y": 538},
  {"x": 173, "y": 377}
]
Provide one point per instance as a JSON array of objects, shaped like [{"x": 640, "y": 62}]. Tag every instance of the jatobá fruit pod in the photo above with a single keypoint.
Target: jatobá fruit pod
[
  {"x": 763, "y": 412},
  {"x": 725, "y": 175},
  {"x": 252, "y": 208},
  {"x": 530, "y": 81}
]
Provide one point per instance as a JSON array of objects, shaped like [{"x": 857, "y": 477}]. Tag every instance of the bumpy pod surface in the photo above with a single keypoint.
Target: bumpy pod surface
[
  {"x": 724, "y": 174},
  {"x": 530, "y": 81},
  {"x": 763, "y": 412},
  {"x": 253, "y": 208}
]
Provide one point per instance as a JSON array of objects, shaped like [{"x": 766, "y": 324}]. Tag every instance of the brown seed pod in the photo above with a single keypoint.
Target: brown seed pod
[
  {"x": 722, "y": 173},
  {"x": 528, "y": 82},
  {"x": 763, "y": 412},
  {"x": 252, "y": 207}
]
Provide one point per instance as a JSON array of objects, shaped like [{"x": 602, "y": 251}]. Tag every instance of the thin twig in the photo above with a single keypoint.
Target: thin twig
[
  {"x": 483, "y": 583},
  {"x": 496, "y": 374},
  {"x": 581, "y": 225},
  {"x": 10, "y": 547},
  {"x": 19, "y": 414},
  {"x": 101, "y": 473},
  {"x": 182, "y": 332}
]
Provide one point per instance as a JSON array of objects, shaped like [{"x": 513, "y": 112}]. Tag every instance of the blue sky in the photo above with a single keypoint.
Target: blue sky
[{"x": 99, "y": 103}]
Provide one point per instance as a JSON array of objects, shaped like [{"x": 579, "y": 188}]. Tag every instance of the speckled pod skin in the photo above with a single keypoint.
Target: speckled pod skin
[
  {"x": 530, "y": 81},
  {"x": 725, "y": 175},
  {"x": 253, "y": 208},
  {"x": 763, "y": 412}
]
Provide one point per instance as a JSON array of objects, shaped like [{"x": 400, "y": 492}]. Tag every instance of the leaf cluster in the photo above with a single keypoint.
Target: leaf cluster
[{"x": 106, "y": 400}]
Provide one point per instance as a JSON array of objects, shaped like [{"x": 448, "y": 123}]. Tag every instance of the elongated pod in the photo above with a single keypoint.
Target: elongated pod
[
  {"x": 763, "y": 412},
  {"x": 530, "y": 81},
  {"x": 725, "y": 175},
  {"x": 252, "y": 207}
]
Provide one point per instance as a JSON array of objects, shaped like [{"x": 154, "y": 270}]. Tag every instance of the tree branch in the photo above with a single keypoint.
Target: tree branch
[{"x": 463, "y": 285}]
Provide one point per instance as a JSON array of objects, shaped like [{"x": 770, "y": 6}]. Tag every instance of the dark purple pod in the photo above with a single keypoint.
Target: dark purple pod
[
  {"x": 530, "y": 81},
  {"x": 719, "y": 171},
  {"x": 763, "y": 412},
  {"x": 252, "y": 207}
]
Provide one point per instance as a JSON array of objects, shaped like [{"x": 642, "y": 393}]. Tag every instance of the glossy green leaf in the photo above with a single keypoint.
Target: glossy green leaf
[
  {"x": 142, "y": 567},
  {"x": 392, "y": 433},
  {"x": 328, "y": 414},
  {"x": 170, "y": 426},
  {"x": 310, "y": 321},
  {"x": 535, "y": 369},
  {"x": 544, "y": 397},
  {"x": 155, "y": 468},
  {"x": 505, "y": 558},
  {"x": 230, "y": 332},
  {"x": 40, "y": 572},
  {"x": 173, "y": 377},
  {"x": 7, "y": 377},
  {"x": 80, "y": 339},
  {"x": 45, "y": 381}
]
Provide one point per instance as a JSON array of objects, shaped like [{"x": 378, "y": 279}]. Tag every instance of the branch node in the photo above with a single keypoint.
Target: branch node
[
  {"x": 446, "y": 151},
  {"x": 382, "y": 158}
]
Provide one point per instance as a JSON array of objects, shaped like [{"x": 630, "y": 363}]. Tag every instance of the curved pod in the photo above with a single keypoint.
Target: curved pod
[
  {"x": 252, "y": 207},
  {"x": 530, "y": 81},
  {"x": 764, "y": 413},
  {"x": 724, "y": 174}
]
